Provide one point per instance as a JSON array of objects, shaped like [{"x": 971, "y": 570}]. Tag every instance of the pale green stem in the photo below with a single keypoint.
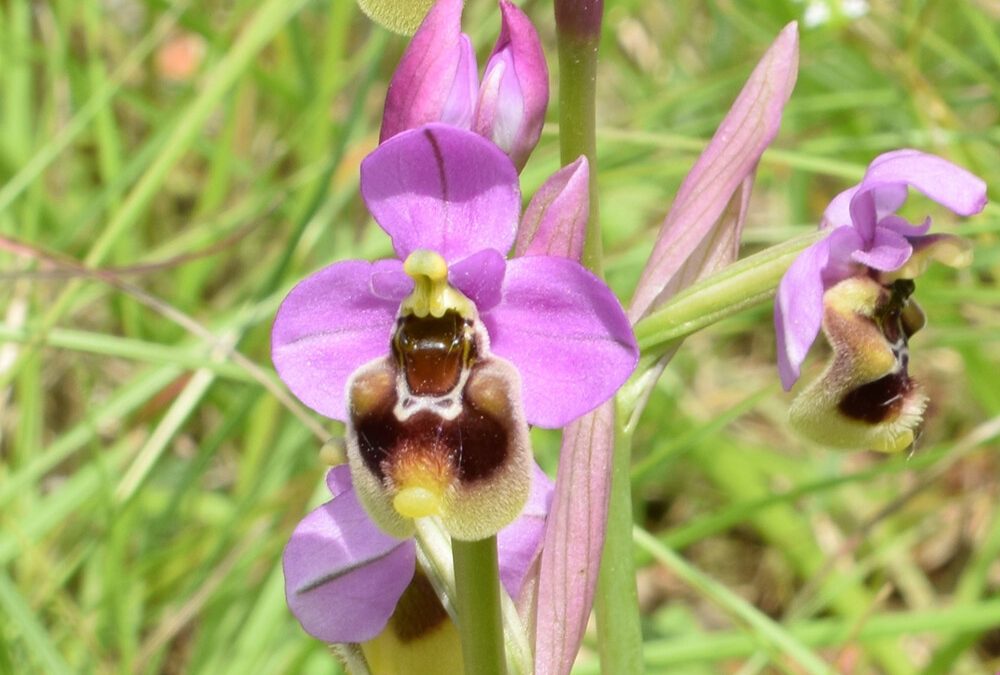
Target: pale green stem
[
  {"x": 745, "y": 283},
  {"x": 733, "y": 289},
  {"x": 617, "y": 603},
  {"x": 577, "y": 124},
  {"x": 477, "y": 585},
  {"x": 618, "y": 629}
]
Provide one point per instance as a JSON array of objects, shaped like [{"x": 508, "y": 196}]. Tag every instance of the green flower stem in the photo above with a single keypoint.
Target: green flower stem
[
  {"x": 745, "y": 283},
  {"x": 616, "y": 606},
  {"x": 477, "y": 585},
  {"x": 578, "y": 27},
  {"x": 577, "y": 118}
]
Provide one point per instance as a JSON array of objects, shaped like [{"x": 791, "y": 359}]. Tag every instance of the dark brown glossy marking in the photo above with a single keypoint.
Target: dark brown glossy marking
[
  {"x": 881, "y": 400},
  {"x": 432, "y": 352},
  {"x": 475, "y": 444},
  {"x": 377, "y": 431},
  {"x": 419, "y": 611},
  {"x": 890, "y": 315},
  {"x": 877, "y": 401}
]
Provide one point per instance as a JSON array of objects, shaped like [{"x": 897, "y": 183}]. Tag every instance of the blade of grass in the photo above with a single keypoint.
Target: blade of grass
[
  {"x": 717, "y": 646},
  {"x": 33, "y": 633},
  {"x": 763, "y": 627}
]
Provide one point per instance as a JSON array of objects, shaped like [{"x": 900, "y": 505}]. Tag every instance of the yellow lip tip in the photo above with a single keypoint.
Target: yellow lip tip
[
  {"x": 895, "y": 443},
  {"x": 424, "y": 262},
  {"x": 417, "y": 502}
]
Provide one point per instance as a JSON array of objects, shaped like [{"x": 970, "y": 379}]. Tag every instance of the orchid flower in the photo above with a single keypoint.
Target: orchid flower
[
  {"x": 856, "y": 283},
  {"x": 346, "y": 581},
  {"x": 438, "y": 360},
  {"x": 436, "y": 81}
]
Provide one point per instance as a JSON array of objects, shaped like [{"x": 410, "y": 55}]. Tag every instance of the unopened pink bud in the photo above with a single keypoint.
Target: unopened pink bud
[
  {"x": 515, "y": 89},
  {"x": 436, "y": 79}
]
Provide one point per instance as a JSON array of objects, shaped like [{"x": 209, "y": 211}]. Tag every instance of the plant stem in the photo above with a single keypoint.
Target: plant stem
[
  {"x": 477, "y": 585},
  {"x": 734, "y": 288},
  {"x": 619, "y": 630},
  {"x": 578, "y": 27},
  {"x": 578, "y": 32}
]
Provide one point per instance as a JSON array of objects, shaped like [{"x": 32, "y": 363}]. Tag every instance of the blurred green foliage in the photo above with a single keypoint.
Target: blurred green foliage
[{"x": 205, "y": 157}]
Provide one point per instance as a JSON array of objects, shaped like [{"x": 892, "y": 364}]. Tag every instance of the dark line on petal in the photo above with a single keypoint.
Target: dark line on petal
[
  {"x": 333, "y": 576},
  {"x": 439, "y": 158}
]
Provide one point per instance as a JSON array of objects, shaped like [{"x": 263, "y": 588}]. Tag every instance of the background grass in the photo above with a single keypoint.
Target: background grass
[{"x": 151, "y": 468}]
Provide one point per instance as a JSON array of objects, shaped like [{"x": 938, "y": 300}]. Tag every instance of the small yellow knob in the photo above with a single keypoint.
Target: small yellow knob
[
  {"x": 432, "y": 294},
  {"x": 417, "y": 502}
]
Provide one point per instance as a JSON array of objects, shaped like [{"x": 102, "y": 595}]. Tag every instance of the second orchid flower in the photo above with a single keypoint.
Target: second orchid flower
[{"x": 857, "y": 284}]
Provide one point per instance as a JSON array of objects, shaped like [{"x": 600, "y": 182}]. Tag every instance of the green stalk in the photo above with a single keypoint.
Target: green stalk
[
  {"x": 578, "y": 29},
  {"x": 744, "y": 284},
  {"x": 578, "y": 36},
  {"x": 616, "y": 606},
  {"x": 477, "y": 585}
]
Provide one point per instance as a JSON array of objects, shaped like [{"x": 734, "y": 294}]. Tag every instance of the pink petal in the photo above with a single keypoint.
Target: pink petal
[
  {"x": 843, "y": 242},
  {"x": 574, "y": 538},
  {"x": 838, "y": 212},
  {"x": 566, "y": 333},
  {"x": 436, "y": 79},
  {"x": 864, "y": 217},
  {"x": 442, "y": 188},
  {"x": 902, "y": 226},
  {"x": 710, "y": 191},
  {"x": 480, "y": 277},
  {"x": 343, "y": 576},
  {"x": 488, "y": 103},
  {"x": 460, "y": 106},
  {"x": 888, "y": 251},
  {"x": 948, "y": 184},
  {"x": 326, "y": 328},
  {"x": 338, "y": 480},
  {"x": 798, "y": 309},
  {"x": 517, "y": 544},
  {"x": 555, "y": 222}
]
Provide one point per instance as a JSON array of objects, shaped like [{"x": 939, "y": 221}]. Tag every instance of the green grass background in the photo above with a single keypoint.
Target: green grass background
[{"x": 151, "y": 469}]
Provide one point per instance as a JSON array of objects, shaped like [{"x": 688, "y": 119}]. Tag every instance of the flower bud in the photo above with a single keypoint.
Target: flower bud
[
  {"x": 436, "y": 80},
  {"x": 515, "y": 88},
  {"x": 555, "y": 222}
]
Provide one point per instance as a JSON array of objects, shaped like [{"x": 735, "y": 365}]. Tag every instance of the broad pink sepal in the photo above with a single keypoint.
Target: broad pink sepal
[
  {"x": 555, "y": 222},
  {"x": 702, "y": 230}
]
